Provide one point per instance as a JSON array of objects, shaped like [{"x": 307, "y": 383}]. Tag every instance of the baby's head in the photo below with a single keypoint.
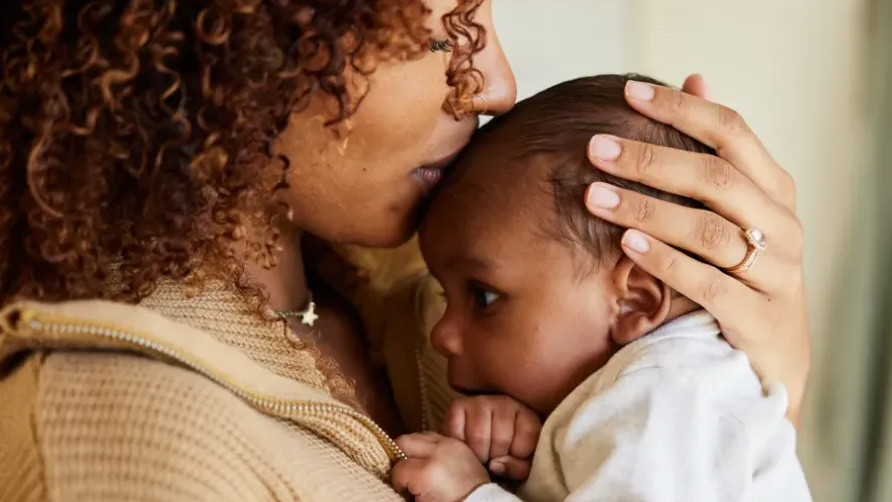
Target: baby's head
[{"x": 539, "y": 293}]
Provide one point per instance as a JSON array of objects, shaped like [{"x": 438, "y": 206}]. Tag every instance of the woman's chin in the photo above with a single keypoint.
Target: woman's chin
[
  {"x": 394, "y": 221},
  {"x": 393, "y": 232},
  {"x": 403, "y": 219},
  {"x": 391, "y": 240}
]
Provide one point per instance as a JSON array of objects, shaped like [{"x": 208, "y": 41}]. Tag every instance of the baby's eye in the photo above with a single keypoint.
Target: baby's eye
[
  {"x": 441, "y": 45},
  {"x": 483, "y": 298}
]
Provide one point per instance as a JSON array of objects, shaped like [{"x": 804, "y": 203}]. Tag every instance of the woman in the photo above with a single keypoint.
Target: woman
[{"x": 159, "y": 163}]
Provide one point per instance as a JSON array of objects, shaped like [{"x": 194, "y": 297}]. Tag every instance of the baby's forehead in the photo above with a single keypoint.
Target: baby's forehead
[
  {"x": 493, "y": 193},
  {"x": 492, "y": 181}
]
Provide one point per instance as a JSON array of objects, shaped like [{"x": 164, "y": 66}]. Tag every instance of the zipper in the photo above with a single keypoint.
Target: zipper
[
  {"x": 291, "y": 409},
  {"x": 422, "y": 388},
  {"x": 418, "y": 315}
]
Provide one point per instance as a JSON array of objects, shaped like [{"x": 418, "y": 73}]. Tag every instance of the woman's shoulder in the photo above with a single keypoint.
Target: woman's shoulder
[
  {"x": 88, "y": 421},
  {"x": 119, "y": 426},
  {"x": 150, "y": 412}
]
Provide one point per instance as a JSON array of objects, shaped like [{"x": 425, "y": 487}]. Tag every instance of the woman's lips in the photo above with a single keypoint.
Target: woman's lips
[
  {"x": 431, "y": 174},
  {"x": 428, "y": 177}
]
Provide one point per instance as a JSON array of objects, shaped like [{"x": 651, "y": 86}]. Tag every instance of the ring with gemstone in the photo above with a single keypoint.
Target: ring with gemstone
[{"x": 755, "y": 244}]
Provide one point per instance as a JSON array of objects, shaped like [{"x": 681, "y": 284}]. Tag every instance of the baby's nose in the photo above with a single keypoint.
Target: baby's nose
[{"x": 446, "y": 339}]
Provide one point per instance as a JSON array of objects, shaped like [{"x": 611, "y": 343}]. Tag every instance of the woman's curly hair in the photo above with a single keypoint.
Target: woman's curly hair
[{"x": 135, "y": 136}]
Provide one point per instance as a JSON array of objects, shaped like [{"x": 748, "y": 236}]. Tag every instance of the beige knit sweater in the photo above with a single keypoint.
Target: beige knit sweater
[{"x": 190, "y": 399}]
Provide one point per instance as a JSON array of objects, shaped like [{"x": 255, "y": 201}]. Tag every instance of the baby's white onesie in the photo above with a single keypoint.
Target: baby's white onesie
[{"x": 676, "y": 416}]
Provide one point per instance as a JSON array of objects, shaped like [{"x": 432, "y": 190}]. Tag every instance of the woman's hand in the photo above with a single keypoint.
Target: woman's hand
[{"x": 762, "y": 311}]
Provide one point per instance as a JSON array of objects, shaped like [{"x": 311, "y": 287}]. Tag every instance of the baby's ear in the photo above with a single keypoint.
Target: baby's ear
[{"x": 643, "y": 302}]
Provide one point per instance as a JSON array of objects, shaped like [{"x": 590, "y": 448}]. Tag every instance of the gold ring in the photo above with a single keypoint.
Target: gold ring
[{"x": 755, "y": 244}]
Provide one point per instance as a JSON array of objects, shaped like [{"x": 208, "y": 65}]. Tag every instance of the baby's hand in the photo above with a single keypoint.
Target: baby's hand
[
  {"x": 502, "y": 433},
  {"x": 439, "y": 469}
]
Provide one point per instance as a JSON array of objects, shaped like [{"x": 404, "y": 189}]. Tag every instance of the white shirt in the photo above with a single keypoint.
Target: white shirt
[{"x": 677, "y": 416}]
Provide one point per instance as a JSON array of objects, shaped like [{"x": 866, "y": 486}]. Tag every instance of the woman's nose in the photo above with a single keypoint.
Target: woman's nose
[
  {"x": 445, "y": 338},
  {"x": 499, "y": 86}
]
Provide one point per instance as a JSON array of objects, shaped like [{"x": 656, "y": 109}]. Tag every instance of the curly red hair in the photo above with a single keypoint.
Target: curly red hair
[{"x": 135, "y": 135}]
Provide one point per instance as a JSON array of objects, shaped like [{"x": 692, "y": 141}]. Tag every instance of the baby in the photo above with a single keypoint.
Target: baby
[{"x": 642, "y": 399}]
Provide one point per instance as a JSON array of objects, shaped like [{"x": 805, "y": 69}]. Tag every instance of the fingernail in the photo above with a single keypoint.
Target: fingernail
[
  {"x": 636, "y": 241},
  {"x": 497, "y": 468},
  {"x": 605, "y": 148},
  {"x": 601, "y": 195},
  {"x": 639, "y": 91}
]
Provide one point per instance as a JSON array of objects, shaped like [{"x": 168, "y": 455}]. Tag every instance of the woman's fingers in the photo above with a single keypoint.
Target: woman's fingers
[
  {"x": 719, "y": 127},
  {"x": 717, "y": 292},
  {"x": 696, "y": 85},
  {"x": 698, "y": 231},
  {"x": 707, "y": 178}
]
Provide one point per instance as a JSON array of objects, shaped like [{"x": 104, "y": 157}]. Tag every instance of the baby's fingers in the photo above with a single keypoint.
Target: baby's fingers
[
  {"x": 418, "y": 445},
  {"x": 527, "y": 428},
  {"x": 405, "y": 476},
  {"x": 511, "y": 468},
  {"x": 502, "y": 431},
  {"x": 456, "y": 418},
  {"x": 478, "y": 431}
]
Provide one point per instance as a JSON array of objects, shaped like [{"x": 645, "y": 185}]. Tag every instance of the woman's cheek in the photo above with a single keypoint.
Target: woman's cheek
[{"x": 404, "y": 103}]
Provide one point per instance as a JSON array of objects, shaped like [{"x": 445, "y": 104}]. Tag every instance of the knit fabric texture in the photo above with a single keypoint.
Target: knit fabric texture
[{"x": 105, "y": 425}]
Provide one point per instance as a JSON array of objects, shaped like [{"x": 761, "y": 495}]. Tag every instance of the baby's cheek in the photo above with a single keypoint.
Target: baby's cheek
[
  {"x": 529, "y": 375},
  {"x": 560, "y": 362}
]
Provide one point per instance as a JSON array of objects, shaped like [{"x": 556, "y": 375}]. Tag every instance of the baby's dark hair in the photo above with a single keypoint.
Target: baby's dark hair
[{"x": 555, "y": 127}]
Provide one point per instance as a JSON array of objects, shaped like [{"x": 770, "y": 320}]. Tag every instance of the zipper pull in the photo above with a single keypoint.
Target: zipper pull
[
  {"x": 14, "y": 323},
  {"x": 14, "y": 320}
]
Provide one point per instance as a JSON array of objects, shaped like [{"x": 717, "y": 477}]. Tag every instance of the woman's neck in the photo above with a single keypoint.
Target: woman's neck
[{"x": 286, "y": 283}]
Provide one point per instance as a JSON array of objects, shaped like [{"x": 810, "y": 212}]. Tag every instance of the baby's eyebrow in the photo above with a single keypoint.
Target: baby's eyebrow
[{"x": 470, "y": 262}]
